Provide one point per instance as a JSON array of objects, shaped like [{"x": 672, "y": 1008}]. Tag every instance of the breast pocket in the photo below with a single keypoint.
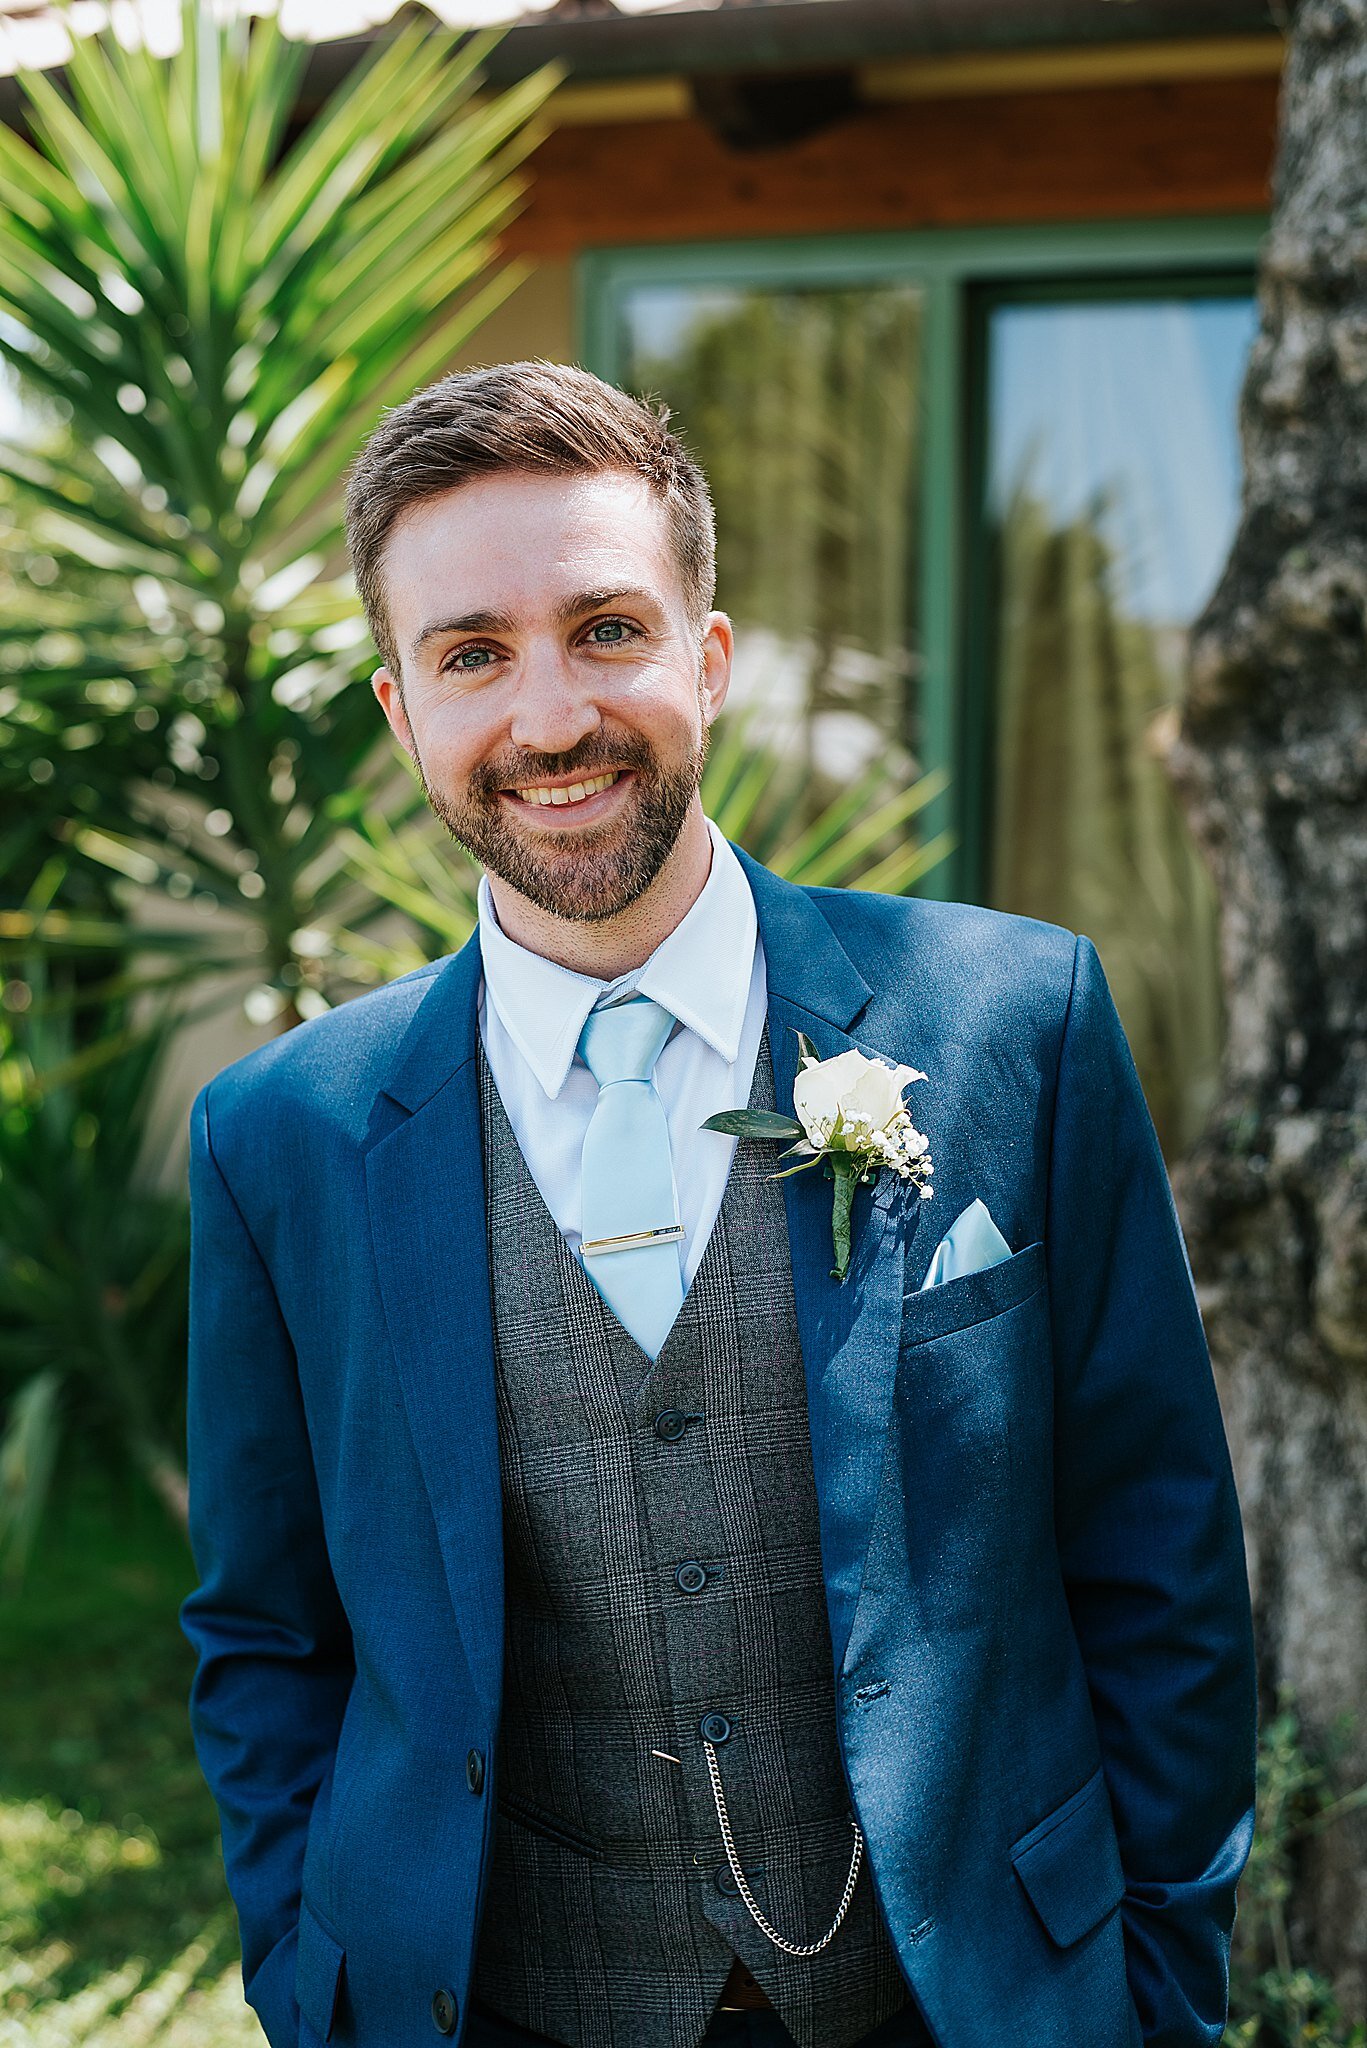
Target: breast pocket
[
  {"x": 973, "y": 1409},
  {"x": 974, "y": 1297}
]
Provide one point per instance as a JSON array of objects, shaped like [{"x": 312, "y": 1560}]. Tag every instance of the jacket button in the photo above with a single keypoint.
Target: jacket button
[
  {"x": 444, "y": 2011},
  {"x": 715, "y": 1728},
  {"x": 690, "y": 1577},
  {"x": 670, "y": 1424},
  {"x": 474, "y": 1771}
]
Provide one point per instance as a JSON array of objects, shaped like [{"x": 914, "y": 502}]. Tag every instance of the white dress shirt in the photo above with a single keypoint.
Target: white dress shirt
[{"x": 709, "y": 974}]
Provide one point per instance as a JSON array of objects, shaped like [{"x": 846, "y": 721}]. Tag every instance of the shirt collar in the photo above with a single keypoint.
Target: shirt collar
[{"x": 700, "y": 973}]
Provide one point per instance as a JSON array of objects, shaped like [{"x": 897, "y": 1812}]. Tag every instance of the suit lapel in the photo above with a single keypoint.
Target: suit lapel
[
  {"x": 425, "y": 1186},
  {"x": 848, "y": 1329}
]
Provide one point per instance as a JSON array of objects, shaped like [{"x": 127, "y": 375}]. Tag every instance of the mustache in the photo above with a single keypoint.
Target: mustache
[{"x": 593, "y": 755}]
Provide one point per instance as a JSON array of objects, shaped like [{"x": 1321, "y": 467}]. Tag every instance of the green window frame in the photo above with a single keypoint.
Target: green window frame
[{"x": 960, "y": 273}]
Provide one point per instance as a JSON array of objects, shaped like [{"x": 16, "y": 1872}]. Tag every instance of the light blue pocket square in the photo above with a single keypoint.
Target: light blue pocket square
[{"x": 972, "y": 1243}]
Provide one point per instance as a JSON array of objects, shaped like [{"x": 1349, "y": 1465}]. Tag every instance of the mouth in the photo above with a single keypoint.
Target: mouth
[{"x": 586, "y": 798}]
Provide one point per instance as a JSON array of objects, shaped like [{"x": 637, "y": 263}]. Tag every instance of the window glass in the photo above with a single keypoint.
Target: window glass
[
  {"x": 1111, "y": 488},
  {"x": 803, "y": 407}
]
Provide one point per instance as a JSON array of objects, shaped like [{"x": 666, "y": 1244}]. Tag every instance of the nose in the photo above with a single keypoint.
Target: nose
[{"x": 552, "y": 711}]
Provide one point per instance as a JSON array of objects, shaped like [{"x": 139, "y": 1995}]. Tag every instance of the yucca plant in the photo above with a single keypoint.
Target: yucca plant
[
  {"x": 93, "y": 1261},
  {"x": 213, "y": 311},
  {"x": 757, "y": 794},
  {"x": 861, "y": 839},
  {"x": 80, "y": 712}
]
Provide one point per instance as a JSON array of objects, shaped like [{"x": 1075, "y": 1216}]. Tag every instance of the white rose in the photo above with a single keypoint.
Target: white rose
[
  {"x": 862, "y": 1091},
  {"x": 877, "y": 1093},
  {"x": 817, "y": 1091}
]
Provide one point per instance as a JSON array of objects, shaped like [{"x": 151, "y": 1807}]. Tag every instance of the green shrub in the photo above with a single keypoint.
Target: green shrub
[{"x": 1274, "y": 1998}]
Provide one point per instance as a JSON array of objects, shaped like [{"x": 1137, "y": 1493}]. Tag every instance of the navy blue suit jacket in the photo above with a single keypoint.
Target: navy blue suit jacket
[{"x": 1042, "y": 1648}]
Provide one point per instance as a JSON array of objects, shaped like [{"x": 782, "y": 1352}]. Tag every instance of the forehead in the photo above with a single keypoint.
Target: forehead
[{"x": 515, "y": 543}]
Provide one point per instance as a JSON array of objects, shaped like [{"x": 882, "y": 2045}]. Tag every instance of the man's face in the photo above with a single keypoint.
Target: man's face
[{"x": 555, "y": 699}]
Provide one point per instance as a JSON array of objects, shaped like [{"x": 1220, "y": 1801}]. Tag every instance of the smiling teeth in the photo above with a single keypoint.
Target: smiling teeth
[{"x": 570, "y": 793}]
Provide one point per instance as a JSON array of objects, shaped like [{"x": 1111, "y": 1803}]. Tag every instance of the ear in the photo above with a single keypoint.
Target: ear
[
  {"x": 386, "y": 688},
  {"x": 718, "y": 650}
]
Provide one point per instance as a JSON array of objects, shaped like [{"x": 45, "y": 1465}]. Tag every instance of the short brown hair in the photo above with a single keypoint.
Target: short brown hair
[{"x": 545, "y": 417}]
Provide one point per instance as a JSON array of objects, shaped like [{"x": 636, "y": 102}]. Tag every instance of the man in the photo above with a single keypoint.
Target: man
[{"x": 614, "y": 1628}]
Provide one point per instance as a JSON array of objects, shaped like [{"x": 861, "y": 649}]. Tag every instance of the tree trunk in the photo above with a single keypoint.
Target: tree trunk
[{"x": 1272, "y": 766}]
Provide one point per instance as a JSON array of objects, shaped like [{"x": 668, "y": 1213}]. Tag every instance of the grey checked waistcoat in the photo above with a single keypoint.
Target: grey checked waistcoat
[{"x": 611, "y": 1917}]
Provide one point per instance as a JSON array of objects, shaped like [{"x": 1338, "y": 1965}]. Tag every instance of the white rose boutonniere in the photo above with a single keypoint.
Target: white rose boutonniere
[{"x": 850, "y": 1114}]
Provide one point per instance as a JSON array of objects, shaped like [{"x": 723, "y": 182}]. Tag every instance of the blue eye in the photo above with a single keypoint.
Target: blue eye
[
  {"x": 470, "y": 658},
  {"x": 617, "y": 628}
]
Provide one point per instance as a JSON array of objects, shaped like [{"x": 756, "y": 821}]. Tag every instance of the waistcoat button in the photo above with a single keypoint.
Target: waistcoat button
[
  {"x": 715, "y": 1728},
  {"x": 444, "y": 2011},
  {"x": 690, "y": 1577},
  {"x": 670, "y": 1424},
  {"x": 726, "y": 1883},
  {"x": 474, "y": 1771}
]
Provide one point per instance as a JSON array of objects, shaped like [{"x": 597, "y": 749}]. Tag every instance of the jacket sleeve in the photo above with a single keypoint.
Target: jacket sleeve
[
  {"x": 275, "y": 1660},
  {"x": 1149, "y": 1533}
]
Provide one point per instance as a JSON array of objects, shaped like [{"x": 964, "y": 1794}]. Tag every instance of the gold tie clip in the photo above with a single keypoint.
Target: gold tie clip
[{"x": 668, "y": 1233}]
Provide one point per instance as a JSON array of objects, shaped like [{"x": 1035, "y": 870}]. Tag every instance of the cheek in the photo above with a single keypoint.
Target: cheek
[
  {"x": 454, "y": 736},
  {"x": 664, "y": 705}
]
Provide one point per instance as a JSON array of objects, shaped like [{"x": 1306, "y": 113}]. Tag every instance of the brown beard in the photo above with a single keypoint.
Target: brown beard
[{"x": 605, "y": 870}]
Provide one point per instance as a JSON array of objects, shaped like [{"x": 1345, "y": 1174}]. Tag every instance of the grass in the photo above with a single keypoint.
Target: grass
[{"x": 116, "y": 1927}]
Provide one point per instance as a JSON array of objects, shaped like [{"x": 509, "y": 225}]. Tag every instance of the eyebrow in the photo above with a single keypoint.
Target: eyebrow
[{"x": 568, "y": 608}]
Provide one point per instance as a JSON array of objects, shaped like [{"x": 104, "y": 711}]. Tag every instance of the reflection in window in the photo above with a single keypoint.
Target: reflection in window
[
  {"x": 1112, "y": 494},
  {"x": 803, "y": 408}
]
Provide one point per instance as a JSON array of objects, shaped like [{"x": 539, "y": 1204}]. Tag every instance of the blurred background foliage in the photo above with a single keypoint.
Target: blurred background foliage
[
  {"x": 1083, "y": 815},
  {"x": 807, "y": 411}
]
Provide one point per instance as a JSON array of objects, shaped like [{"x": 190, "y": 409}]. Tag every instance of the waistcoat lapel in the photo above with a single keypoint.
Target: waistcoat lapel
[
  {"x": 849, "y": 1330},
  {"x": 425, "y": 1185}
]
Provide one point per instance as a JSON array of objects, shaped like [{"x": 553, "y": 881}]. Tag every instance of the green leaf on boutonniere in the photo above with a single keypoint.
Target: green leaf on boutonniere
[
  {"x": 814, "y": 1159},
  {"x": 753, "y": 1123},
  {"x": 847, "y": 1177}
]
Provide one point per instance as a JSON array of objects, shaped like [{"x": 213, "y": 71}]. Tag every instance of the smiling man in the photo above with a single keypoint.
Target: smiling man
[{"x": 615, "y": 1627}]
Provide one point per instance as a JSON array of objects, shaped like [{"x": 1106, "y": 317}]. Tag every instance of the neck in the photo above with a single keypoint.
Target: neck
[{"x": 614, "y": 945}]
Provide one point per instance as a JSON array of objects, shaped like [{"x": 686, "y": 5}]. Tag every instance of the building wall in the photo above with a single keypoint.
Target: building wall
[{"x": 538, "y": 320}]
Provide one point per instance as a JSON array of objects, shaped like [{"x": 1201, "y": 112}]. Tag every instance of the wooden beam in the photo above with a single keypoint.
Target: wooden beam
[{"x": 1121, "y": 152}]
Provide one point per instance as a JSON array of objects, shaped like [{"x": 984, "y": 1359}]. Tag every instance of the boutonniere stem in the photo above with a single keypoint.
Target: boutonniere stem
[{"x": 849, "y": 1116}]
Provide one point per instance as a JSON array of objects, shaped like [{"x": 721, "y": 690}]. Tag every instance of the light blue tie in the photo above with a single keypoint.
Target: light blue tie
[{"x": 628, "y": 1177}]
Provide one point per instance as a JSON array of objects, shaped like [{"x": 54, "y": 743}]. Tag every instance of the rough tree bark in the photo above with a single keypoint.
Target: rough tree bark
[{"x": 1272, "y": 765}]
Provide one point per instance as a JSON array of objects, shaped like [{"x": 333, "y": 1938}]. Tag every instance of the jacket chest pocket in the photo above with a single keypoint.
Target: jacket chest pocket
[
  {"x": 973, "y": 1398},
  {"x": 974, "y": 1298}
]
